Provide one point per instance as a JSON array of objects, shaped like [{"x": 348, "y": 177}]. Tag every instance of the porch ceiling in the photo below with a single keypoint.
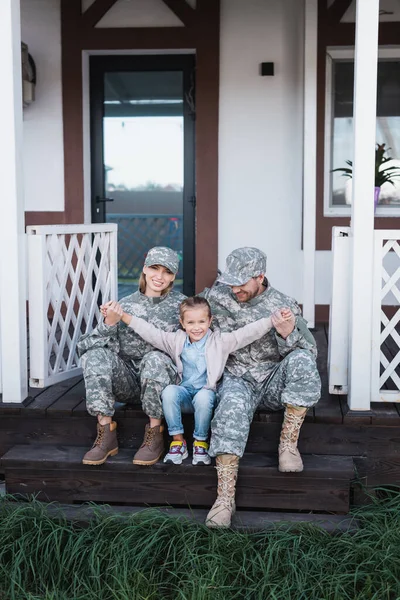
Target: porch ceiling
[{"x": 389, "y": 11}]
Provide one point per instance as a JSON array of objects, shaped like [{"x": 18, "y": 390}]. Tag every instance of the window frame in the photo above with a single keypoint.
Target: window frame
[{"x": 345, "y": 53}]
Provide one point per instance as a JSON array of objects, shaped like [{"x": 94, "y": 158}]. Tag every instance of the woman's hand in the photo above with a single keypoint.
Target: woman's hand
[
  {"x": 284, "y": 322},
  {"x": 104, "y": 307},
  {"x": 112, "y": 312}
]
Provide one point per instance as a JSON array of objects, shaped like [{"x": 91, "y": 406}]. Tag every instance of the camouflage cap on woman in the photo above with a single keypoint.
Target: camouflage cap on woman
[
  {"x": 161, "y": 255},
  {"x": 242, "y": 264}
]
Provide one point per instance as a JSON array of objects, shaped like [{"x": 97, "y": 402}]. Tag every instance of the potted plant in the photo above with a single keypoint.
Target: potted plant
[{"x": 383, "y": 172}]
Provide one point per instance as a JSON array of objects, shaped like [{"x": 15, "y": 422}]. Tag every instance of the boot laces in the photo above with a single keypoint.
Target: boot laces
[
  {"x": 226, "y": 485},
  {"x": 290, "y": 431},
  {"x": 100, "y": 436},
  {"x": 149, "y": 436}
]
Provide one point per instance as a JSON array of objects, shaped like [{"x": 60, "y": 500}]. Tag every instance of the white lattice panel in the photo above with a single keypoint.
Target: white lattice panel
[
  {"x": 385, "y": 376},
  {"x": 72, "y": 269}
]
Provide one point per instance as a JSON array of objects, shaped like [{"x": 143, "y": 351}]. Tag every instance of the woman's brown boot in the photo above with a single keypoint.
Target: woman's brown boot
[
  {"x": 224, "y": 507},
  {"x": 105, "y": 445},
  {"x": 152, "y": 447}
]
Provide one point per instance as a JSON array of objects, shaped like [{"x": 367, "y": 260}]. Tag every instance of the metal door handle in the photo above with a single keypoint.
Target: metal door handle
[{"x": 98, "y": 199}]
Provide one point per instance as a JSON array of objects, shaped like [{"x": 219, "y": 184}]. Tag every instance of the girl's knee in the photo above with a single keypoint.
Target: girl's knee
[
  {"x": 170, "y": 394},
  {"x": 205, "y": 399}
]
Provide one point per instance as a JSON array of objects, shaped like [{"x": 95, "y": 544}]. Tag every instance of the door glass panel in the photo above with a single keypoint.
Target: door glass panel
[{"x": 143, "y": 166}]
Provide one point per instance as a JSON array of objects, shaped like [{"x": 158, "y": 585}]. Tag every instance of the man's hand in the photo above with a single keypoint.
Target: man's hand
[
  {"x": 112, "y": 312},
  {"x": 284, "y": 321}
]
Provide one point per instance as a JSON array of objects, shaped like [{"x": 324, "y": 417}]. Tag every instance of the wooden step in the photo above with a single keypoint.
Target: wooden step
[
  {"x": 56, "y": 473},
  {"x": 315, "y": 438},
  {"x": 243, "y": 520}
]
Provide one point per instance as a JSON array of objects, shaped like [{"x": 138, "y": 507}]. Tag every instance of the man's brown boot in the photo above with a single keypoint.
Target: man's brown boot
[
  {"x": 105, "y": 445},
  {"x": 289, "y": 456},
  {"x": 152, "y": 447},
  {"x": 224, "y": 507}
]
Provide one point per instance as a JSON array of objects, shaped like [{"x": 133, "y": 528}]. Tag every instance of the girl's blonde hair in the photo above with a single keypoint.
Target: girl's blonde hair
[
  {"x": 143, "y": 283},
  {"x": 194, "y": 302}
]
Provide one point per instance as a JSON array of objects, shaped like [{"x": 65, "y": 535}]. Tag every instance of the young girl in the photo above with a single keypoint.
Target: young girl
[{"x": 200, "y": 356}]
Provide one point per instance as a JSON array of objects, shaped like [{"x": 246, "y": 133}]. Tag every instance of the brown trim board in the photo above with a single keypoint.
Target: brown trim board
[
  {"x": 322, "y": 312},
  {"x": 202, "y": 35},
  {"x": 331, "y": 33}
]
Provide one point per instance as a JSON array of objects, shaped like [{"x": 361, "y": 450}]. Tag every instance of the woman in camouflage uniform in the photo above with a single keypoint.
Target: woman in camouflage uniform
[{"x": 118, "y": 365}]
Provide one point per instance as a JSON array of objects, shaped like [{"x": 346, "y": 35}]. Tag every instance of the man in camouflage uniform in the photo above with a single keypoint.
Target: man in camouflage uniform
[
  {"x": 278, "y": 371},
  {"x": 119, "y": 365}
]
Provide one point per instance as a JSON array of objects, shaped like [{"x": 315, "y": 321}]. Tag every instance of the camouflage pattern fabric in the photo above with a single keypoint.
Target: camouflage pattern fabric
[
  {"x": 272, "y": 371},
  {"x": 156, "y": 372},
  {"x": 242, "y": 264},
  {"x": 117, "y": 363},
  {"x": 261, "y": 357},
  {"x": 107, "y": 378},
  {"x": 161, "y": 255},
  {"x": 295, "y": 382}
]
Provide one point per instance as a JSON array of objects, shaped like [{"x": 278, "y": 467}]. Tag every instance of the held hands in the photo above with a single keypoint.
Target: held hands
[
  {"x": 284, "y": 321},
  {"x": 112, "y": 312}
]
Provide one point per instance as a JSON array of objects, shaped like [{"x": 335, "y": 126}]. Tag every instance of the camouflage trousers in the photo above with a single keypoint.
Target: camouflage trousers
[
  {"x": 109, "y": 378},
  {"x": 295, "y": 382}
]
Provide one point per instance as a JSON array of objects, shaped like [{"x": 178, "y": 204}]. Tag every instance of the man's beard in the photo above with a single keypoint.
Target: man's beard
[{"x": 247, "y": 296}]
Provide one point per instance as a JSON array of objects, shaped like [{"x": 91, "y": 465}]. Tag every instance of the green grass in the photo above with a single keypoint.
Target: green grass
[{"x": 151, "y": 556}]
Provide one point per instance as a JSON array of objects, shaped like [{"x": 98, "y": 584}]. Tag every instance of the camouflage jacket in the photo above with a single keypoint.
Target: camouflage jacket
[
  {"x": 162, "y": 312},
  {"x": 260, "y": 358}
]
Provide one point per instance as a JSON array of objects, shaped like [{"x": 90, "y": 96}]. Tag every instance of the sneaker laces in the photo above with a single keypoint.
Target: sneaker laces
[{"x": 200, "y": 450}]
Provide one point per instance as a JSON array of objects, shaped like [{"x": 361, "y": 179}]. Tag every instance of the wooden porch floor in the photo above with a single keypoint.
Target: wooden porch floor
[{"x": 68, "y": 399}]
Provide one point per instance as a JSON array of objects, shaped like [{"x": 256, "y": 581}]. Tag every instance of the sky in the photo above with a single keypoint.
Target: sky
[{"x": 143, "y": 149}]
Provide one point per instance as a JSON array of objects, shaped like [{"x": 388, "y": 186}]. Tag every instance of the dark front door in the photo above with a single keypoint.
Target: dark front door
[{"x": 142, "y": 156}]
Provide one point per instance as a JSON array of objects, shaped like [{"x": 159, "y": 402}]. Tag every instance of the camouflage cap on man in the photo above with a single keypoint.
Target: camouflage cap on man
[
  {"x": 161, "y": 255},
  {"x": 242, "y": 264}
]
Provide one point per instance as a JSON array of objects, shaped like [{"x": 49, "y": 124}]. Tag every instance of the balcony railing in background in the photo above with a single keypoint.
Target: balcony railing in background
[{"x": 138, "y": 233}]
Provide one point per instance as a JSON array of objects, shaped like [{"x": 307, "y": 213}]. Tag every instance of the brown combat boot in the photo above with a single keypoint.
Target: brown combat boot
[
  {"x": 224, "y": 507},
  {"x": 152, "y": 447},
  {"x": 289, "y": 456},
  {"x": 105, "y": 445}
]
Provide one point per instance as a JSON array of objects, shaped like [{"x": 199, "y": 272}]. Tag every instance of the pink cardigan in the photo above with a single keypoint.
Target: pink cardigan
[{"x": 218, "y": 345}]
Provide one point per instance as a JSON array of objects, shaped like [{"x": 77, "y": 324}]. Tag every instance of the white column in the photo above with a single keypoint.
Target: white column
[
  {"x": 13, "y": 347},
  {"x": 309, "y": 157},
  {"x": 362, "y": 212}
]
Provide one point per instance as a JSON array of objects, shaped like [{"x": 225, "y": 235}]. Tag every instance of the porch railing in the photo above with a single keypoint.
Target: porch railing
[
  {"x": 71, "y": 270},
  {"x": 385, "y": 379},
  {"x": 338, "y": 348},
  {"x": 385, "y": 316}
]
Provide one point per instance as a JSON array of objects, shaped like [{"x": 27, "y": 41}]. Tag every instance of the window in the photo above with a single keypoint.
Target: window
[{"x": 339, "y": 126}]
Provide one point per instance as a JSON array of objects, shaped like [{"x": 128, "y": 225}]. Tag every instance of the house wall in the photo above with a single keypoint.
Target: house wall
[
  {"x": 260, "y": 140},
  {"x": 260, "y": 132},
  {"x": 260, "y": 124},
  {"x": 42, "y": 128}
]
